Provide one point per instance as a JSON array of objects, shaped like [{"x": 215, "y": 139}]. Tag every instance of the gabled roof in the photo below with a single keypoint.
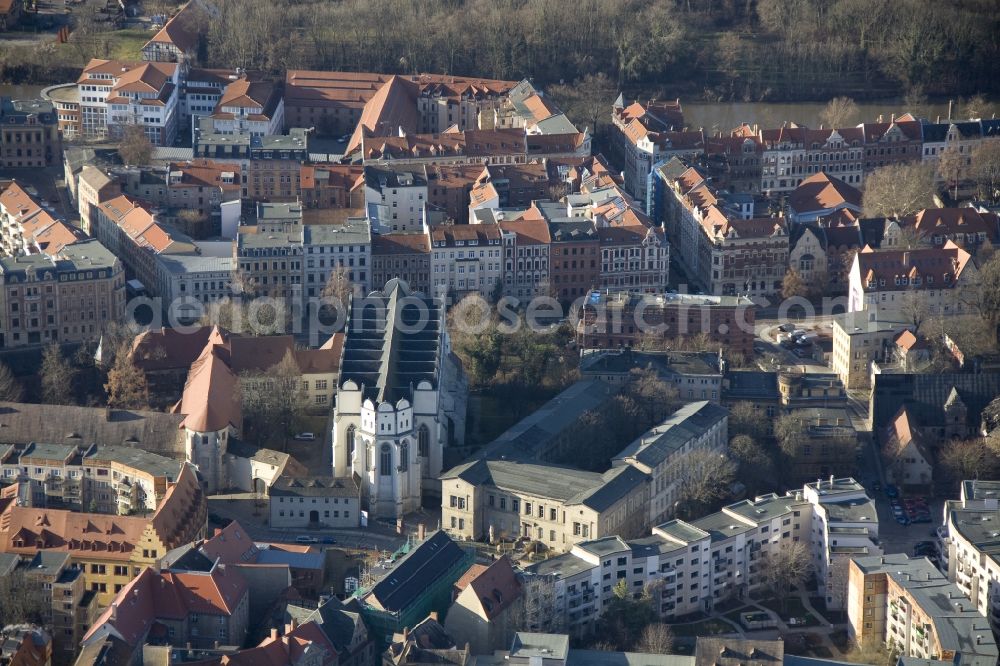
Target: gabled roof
[
  {"x": 184, "y": 29},
  {"x": 415, "y": 572},
  {"x": 948, "y": 221},
  {"x": 944, "y": 264},
  {"x": 211, "y": 398},
  {"x": 823, "y": 192},
  {"x": 491, "y": 590}
]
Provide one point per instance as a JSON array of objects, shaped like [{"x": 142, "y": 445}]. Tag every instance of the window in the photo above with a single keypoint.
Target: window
[
  {"x": 404, "y": 456},
  {"x": 385, "y": 463},
  {"x": 350, "y": 441},
  {"x": 423, "y": 441}
]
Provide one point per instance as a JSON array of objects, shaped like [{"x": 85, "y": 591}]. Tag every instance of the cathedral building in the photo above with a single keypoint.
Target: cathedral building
[{"x": 400, "y": 402}]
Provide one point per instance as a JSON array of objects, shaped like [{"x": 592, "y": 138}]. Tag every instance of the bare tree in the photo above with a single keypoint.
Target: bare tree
[
  {"x": 756, "y": 463},
  {"x": 949, "y": 167},
  {"x": 746, "y": 419},
  {"x": 898, "y": 190},
  {"x": 793, "y": 286},
  {"x": 10, "y": 389},
  {"x": 656, "y": 638},
  {"x": 785, "y": 568},
  {"x": 338, "y": 287},
  {"x": 57, "y": 377},
  {"x": 126, "y": 386},
  {"x": 968, "y": 459},
  {"x": 986, "y": 170},
  {"x": 587, "y": 101},
  {"x": 915, "y": 306},
  {"x": 973, "y": 108},
  {"x": 21, "y": 603},
  {"x": 840, "y": 112},
  {"x": 134, "y": 147},
  {"x": 274, "y": 402},
  {"x": 705, "y": 477}
]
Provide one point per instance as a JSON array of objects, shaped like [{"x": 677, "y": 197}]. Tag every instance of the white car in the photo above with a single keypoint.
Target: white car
[
  {"x": 306, "y": 539},
  {"x": 305, "y": 437}
]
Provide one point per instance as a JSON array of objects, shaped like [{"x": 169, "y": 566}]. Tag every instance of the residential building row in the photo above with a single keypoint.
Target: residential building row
[
  {"x": 773, "y": 162},
  {"x": 692, "y": 567},
  {"x": 723, "y": 247}
]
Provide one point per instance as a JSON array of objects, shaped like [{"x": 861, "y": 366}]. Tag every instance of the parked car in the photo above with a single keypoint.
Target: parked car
[
  {"x": 877, "y": 487},
  {"x": 891, "y": 491},
  {"x": 305, "y": 437},
  {"x": 306, "y": 539},
  {"x": 328, "y": 540},
  {"x": 786, "y": 328},
  {"x": 902, "y": 520}
]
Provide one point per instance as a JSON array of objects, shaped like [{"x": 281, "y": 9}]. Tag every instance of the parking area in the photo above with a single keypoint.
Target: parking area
[{"x": 902, "y": 537}]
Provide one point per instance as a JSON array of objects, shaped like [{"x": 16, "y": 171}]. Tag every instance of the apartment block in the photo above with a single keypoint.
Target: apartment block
[
  {"x": 29, "y": 133},
  {"x": 970, "y": 549},
  {"x": 67, "y": 297},
  {"x": 68, "y": 607},
  {"x": 691, "y": 567},
  {"x": 723, "y": 247},
  {"x": 255, "y": 107},
  {"x": 108, "y": 479},
  {"x": 934, "y": 277},
  {"x": 94, "y": 187},
  {"x": 908, "y": 605},
  {"x": 332, "y": 186},
  {"x": 621, "y": 319},
  {"x": 968, "y": 228},
  {"x": 526, "y": 251},
  {"x": 328, "y": 247},
  {"x": 396, "y": 199}
]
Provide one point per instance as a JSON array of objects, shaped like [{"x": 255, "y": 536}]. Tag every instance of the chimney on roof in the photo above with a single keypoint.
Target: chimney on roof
[
  {"x": 291, "y": 626},
  {"x": 406, "y": 634},
  {"x": 433, "y": 615},
  {"x": 906, "y": 258},
  {"x": 831, "y": 480},
  {"x": 421, "y": 532},
  {"x": 114, "y": 611},
  {"x": 274, "y": 633}
]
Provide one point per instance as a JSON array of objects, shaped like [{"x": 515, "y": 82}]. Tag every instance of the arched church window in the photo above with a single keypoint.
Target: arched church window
[
  {"x": 404, "y": 456},
  {"x": 385, "y": 463},
  {"x": 423, "y": 441}
]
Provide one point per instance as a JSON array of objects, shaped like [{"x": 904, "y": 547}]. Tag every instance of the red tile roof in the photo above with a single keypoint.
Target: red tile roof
[
  {"x": 184, "y": 29},
  {"x": 945, "y": 264},
  {"x": 823, "y": 192},
  {"x": 529, "y": 231},
  {"x": 211, "y": 398},
  {"x": 400, "y": 243}
]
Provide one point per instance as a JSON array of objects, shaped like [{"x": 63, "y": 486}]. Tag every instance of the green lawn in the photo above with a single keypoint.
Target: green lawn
[
  {"x": 127, "y": 44},
  {"x": 710, "y": 627}
]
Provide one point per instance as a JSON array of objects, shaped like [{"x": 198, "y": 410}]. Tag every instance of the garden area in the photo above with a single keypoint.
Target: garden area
[{"x": 792, "y": 612}]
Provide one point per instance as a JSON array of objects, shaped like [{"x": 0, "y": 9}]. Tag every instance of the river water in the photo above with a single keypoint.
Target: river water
[{"x": 725, "y": 116}]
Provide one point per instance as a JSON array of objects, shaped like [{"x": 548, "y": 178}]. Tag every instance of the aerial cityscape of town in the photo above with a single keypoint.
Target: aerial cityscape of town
[{"x": 499, "y": 332}]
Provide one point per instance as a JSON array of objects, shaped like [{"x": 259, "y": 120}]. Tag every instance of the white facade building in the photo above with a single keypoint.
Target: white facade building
[
  {"x": 395, "y": 198},
  {"x": 401, "y": 400}
]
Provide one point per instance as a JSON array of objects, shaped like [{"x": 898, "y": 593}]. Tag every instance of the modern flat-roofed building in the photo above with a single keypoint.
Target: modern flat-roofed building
[
  {"x": 907, "y": 604},
  {"x": 971, "y": 549},
  {"x": 862, "y": 337}
]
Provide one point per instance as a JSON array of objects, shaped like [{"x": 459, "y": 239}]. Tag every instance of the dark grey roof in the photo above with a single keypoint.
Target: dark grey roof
[
  {"x": 530, "y": 437},
  {"x": 21, "y": 423},
  {"x": 334, "y": 618},
  {"x": 666, "y": 364},
  {"x": 380, "y": 178},
  {"x": 538, "y": 479},
  {"x": 615, "y": 484},
  {"x": 991, "y": 128},
  {"x": 872, "y": 231},
  {"x": 187, "y": 558},
  {"x": 926, "y": 395},
  {"x": 416, "y": 571},
  {"x": 687, "y": 423},
  {"x": 392, "y": 342},
  {"x": 799, "y": 230},
  {"x": 545, "y": 646},
  {"x": 935, "y": 132},
  {"x": 750, "y": 385},
  {"x": 572, "y": 231},
  {"x": 314, "y": 486}
]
